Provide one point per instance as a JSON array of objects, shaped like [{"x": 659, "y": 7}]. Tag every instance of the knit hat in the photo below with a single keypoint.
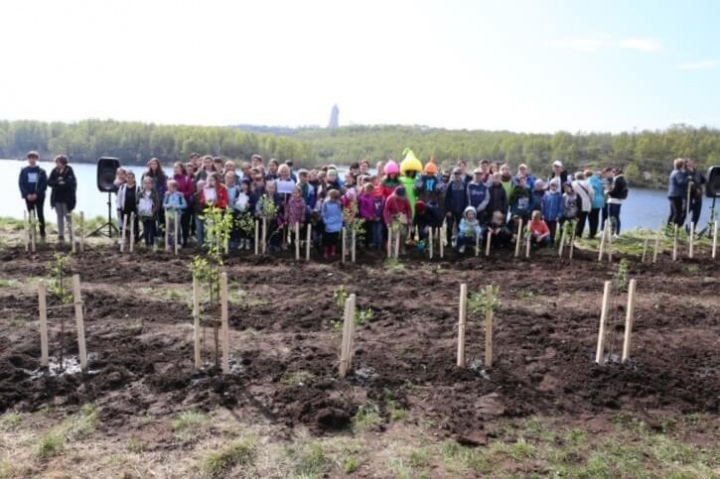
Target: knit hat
[
  {"x": 392, "y": 168},
  {"x": 430, "y": 169},
  {"x": 400, "y": 191}
]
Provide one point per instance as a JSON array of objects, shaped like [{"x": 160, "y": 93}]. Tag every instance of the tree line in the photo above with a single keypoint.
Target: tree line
[{"x": 646, "y": 156}]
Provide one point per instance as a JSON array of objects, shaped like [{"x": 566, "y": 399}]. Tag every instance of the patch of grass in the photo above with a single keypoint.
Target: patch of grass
[
  {"x": 398, "y": 414},
  {"x": 419, "y": 458},
  {"x": 522, "y": 450},
  {"x": 526, "y": 294},
  {"x": 135, "y": 446},
  {"x": 50, "y": 445},
  {"x": 11, "y": 421},
  {"x": 189, "y": 419},
  {"x": 350, "y": 465},
  {"x": 312, "y": 461},
  {"x": 220, "y": 463},
  {"x": 393, "y": 265},
  {"x": 8, "y": 283},
  {"x": 175, "y": 295},
  {"x": 297, "y": 378},
  {"x": 367, "y": 416}
]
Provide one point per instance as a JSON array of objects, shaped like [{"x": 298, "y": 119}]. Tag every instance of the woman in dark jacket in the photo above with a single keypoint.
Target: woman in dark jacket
[
  {"x": 677, "y": 191},
  {"x": 63, "y": 197}
]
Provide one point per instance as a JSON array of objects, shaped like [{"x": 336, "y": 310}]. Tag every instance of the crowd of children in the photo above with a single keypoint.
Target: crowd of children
[{"x": 487, "y": 204}]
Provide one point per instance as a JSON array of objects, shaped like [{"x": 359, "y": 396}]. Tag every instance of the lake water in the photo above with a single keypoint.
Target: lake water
[{"x": 643, "y": 208}]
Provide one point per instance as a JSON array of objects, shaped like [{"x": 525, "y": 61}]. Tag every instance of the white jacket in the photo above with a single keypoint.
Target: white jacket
[{"x": 586, "y": 193}]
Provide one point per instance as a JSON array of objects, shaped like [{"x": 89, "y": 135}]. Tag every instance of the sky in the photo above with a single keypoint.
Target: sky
[{"x": 519, "y": 65}]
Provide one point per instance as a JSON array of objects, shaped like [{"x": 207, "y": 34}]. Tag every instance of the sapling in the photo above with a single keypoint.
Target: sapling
[
  {"x": 59, "y": 288},
  {"x": 206, "y": 270},
  {"x": 486, "y": 301},
  {"x": 268, "y": 214},
  {"x": 353, "y": 223},
  {"x": 620, "y": 277},
  {"x": 218, "y": 225}
]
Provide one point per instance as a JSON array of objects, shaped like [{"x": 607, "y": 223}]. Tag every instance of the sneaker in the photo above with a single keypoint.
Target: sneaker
[{"x": 461, "y": 250}]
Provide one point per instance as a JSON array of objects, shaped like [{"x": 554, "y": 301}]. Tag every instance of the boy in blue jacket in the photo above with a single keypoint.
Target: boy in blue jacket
[
  {"x": 455, "y": 201},
  {"x": 552, "y": 207},
  {"x": 174, "y": 204},
  {"x": 33, "y": 185}
]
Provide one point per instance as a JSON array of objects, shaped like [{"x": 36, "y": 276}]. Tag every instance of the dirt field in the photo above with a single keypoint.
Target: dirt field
[{"x": 404, "y": 383}]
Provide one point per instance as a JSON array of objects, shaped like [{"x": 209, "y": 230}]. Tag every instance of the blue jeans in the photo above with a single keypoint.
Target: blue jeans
[
  {"x": 199, "y": 231},
  {"x": 614, "y": 213},
  {"x": 376, "y": 229}
]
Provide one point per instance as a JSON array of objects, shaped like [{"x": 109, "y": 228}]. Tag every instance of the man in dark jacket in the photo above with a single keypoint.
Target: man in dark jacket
[
  {"x": 697, "y": 180},
  {"x": 33, "y": 184},
  {"x": 498, "y": 197},
  {"x": 455, "y": 201}
]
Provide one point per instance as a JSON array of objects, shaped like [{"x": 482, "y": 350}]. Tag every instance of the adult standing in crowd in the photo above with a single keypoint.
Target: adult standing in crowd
[
  {"x": 63, "y": 197},
  {"x": 523, "y": 171},
  {"x": 696, "y": 182},
  {"x": 157, "y": 175},
  {"x": 33, "y": 185},
  {"x": 558, "y": 172},
  {"x": 598, "y": 202},
  {"x": 585, "y": 192},
  {"x": 677, "y": 192},
  {"x": 616, "y": 196}
]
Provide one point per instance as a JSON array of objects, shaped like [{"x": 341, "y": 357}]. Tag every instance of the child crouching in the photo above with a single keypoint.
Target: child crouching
[
  {"x": 539, "y": 231},
  {"x": 469, "y": 230}
]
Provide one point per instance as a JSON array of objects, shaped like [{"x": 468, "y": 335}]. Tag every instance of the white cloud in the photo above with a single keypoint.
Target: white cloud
[
  {"x": 598, "y": 42},
  {"x": 701, "y": 65}
]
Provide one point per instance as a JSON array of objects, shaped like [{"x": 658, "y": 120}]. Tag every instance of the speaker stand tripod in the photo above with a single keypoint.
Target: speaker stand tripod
[{"x": 110, "y": 225}]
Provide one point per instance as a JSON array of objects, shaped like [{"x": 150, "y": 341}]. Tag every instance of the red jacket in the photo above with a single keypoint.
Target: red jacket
[
  {"x": 539, "y": 228},
  {"x": 185, "y": 186},
  {"x": 221, "y": 200},
  {"x": 394, "y": 206}
]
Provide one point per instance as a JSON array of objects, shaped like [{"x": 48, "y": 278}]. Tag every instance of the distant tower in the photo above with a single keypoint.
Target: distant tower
[{"x": 334, "y": 117}]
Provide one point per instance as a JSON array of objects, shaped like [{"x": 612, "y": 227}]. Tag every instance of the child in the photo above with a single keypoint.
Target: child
[
  {"x": 295, "y": 213},
  {"x": 468, "y": 230},
  {"x": 174, "y": 206},
  {"x": 33, "y": 185},
  {"x": 120, "y": 179},
  {"x": 214, "y": 194},
  {"x": 127, "y": 200},
  {"x": 198, "y": 210},
  {"x": 571, "y": 204},
  {"x": 397, "y": 211},
  {"x": 271, "y": 214},
  {"x": 366, "y": 211},
  {"x": 552, "y": 208},
  {"x": 521, "y": 200},
  {"x": 185, "y": 187},
  {"x": 243, "y": 207},
  {"x": 498, "y": 232},
  {"x": 539, "y": 231},
  {"x": 148, "y": 206},
  {"x": 332, "y": 217},
  {"x": 537, "y": 195},
  {"x": 233, "y": 191}
]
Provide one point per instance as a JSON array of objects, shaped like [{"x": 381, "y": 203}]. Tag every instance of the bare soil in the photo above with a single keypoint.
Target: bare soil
[{"x": 284, "y": 349}]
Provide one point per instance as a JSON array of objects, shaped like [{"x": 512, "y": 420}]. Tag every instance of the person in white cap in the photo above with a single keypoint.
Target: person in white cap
[{"x": 558, "y": 172}]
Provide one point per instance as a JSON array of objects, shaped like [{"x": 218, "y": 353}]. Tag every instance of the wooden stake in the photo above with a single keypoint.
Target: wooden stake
[
  {"x": 461, "y": 326},
  {"x": 430, "y": 242},
  {"x": 224, "y": 323},
  {"x": 167, "y": 231},
  {"x": 629, "y": 318},
  {"x": 529, "y": 242},
  {"x": 441, "y": 240},
  {"x": 177, "y": 230},
  {"x": 572, "y": 244},
  {"x": 297, "y": 241},
  {"x": 397, "y": 243},
  {"x": 348, "y": 331},
  {"x": 257, "y": 237},
  {"x": 691, "y": 251},
  {"x": 308, "y": 242},
  {"x": 488, "y": 339},
  {"x": 26, "y": 222},
  {"x": 488, "y": 243},
  {"x": 389, "y": 242},
  {"x": 645, "y": 247},
  {"x": 264, "y": 235},
  {"x": 657, "y": 245},
  {"x": 518, "y": 238},
  {"x": 715, "y": 234},
  {"x": 477, "y": 244},
  {"x": 42, "y": 308},
  {"x": 33, "y": 232},
  {"x": 124, "y": 233},
  {"x": 353, "y": 245},
  {"x": 342, "y": 246},
  {"x": 603, "y": 322},
  {"x": 675, "y": 244},
  {"x": 197, "y": 356},
  {"x": 73, "y": 246},
  {"x": 563, "y": 240},
  {"x": 603, "y": 238},
  {"x": 132, "y": 232},
  {"x": 81, "y": 231},
  {"x": 79, "y": 322},
  {"x": 609, "y": 244}
]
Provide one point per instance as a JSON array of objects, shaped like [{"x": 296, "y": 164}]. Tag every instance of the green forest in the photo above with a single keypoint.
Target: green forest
[{"x": 646, "y": 156}]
